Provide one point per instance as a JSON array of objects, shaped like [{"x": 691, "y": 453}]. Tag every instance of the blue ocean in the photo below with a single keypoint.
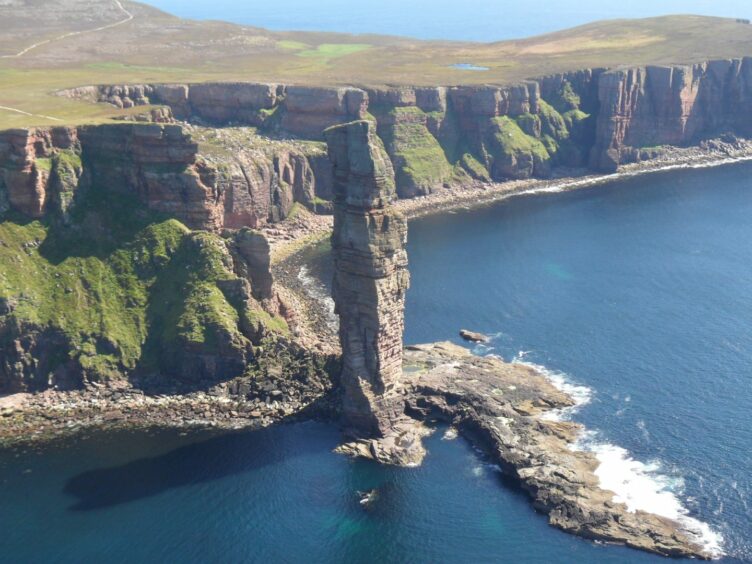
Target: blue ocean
[{"x": 465, "y": 20}]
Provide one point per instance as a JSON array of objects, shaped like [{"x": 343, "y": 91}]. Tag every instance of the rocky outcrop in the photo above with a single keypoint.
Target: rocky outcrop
[
  {"x": 236, "y": 184},
  {"x": 677, "y": 105},
  {"x": 253, "y": 262},
  {"x": 370, "y": 279},
  {"x": 452, "y": 136},
  {"x": 435, "y": 137},
  {"x": 29, "y": 177},
  {"x": 506, "y": 410}
]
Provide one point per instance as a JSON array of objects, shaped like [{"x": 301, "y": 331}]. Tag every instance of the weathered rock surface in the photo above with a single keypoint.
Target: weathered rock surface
[
  {"x": 505, "y": 409},
  {"x": 473, "y": 336},
  {"x": 677, "y": 105},
  {"x": 28, "y": 177},
  {"x": 370, "y": 280},
  {"x": 239, "y": 181},
  {"x": 463, "y": 134}
]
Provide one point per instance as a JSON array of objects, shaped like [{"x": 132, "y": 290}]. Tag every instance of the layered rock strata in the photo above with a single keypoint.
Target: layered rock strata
[
  {"x": 649, "y": 106},
  {"x": 233, "y": 180},
  {"x": 441, "y": 136},
  {"x": 370, "y": 280},
  {"x": 507, "y": 410}
]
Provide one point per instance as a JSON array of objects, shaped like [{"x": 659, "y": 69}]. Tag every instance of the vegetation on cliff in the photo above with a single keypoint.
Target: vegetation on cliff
[
  {"x": 420, "y": 164},
  {"x": 119, "y": 288},
  {"x": 172, "y": 50}
]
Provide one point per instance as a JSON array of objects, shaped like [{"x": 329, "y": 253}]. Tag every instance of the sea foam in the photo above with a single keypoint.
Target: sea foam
[
  {"x": 319, "y": 292},
  {"x": 640, "y": 486}
]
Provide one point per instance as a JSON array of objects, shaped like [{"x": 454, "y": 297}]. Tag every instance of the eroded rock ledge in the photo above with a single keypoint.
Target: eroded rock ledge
[{"x": 506, "y": 409}]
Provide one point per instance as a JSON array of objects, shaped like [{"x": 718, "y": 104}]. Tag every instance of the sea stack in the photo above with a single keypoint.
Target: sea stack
[{"x": 370, "y": 279}]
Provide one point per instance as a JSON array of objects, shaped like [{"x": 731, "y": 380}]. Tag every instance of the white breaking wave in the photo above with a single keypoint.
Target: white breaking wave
[
  {"x": 579, "y": 393},
  {"x": 569, "y": 184},
  {"x": 640, "y": 486},
  {"x": 316, "y": 289},
  {"x": 450, "y": 434}
]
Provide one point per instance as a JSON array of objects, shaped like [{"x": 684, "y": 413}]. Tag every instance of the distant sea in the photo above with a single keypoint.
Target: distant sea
[{"x": 465, "y": 20}]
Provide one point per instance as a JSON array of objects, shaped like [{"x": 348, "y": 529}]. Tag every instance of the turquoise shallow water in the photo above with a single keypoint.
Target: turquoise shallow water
[
  {"x": 278, "y": 495},
  {"x": 640, "y": 289}
]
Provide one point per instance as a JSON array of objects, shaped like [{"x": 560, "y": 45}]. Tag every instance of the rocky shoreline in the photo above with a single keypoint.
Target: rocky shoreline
[
  {"x": 502, "y": 408},
  {"x": 510, "y": 411},
  {"x": 291, "y": 240},
  {"x": 713, "y": 152},
  {"x": 290, "y": 390}
]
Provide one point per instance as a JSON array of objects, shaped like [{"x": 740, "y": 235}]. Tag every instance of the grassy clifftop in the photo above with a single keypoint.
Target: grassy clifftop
[{"x": 143, "y": 44}]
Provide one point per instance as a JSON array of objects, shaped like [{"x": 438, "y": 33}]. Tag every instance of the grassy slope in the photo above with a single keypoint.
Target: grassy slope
[
  {"x": 158, "y": 47},
  {"x": 126, "y": 287}
]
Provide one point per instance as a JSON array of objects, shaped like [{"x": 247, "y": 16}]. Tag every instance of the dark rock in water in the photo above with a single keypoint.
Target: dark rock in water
[
  {"x": 473, "y": 337},
  {"x": 367, "y": 497}
]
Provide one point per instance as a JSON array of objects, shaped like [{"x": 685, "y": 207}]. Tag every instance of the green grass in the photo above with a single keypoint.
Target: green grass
[
  {"x": 419, "y": 160},
  {"x": 566, "y": 98},
  {"x": 552, "y": 122},
  {"x": 229, "y": 52},
  {"x": 125, "y": 288},
  {"x": 573, "y": 117},
  {"x": 512, "y": 141},
  {"x": 474, "y": 167},
  {"x": 334, "y": 50},
  {"x": 44, "y": 164},
  {"x": 292, "y": 45}
]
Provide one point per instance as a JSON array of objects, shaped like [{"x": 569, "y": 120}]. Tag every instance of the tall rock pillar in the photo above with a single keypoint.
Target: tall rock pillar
[{"x": 370, "y": 279}]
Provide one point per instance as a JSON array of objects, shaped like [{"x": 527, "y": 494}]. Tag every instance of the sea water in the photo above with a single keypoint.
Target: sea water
[
  {"x": 466, "y": 20},
  {"x": 637, "y": 296}
]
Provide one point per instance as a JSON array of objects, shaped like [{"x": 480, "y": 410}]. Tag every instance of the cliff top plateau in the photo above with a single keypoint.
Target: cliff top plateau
[{"x": 50, "y": 46}]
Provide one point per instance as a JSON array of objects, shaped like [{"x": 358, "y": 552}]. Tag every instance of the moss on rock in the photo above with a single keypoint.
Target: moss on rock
[
  {"x": 420, "y": 164},
  {"x": 119, "y": 289},
  {"x": 514, "y": 153}
]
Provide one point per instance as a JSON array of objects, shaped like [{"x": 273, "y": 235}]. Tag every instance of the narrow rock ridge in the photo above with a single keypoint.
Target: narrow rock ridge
[{"x": 370, "y": 282}]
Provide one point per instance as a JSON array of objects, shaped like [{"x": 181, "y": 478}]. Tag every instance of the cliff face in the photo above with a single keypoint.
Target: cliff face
[
  {"x": 41, "y": 170},
  {"x": 371, "y": 277},
  {"x": 38, "y": 169},
  {"x": 678, "y": 105},
  {"x": 101, "y": 277},
  {"x": 460, "y": 135},
  {"x": 435, "y": 137}
]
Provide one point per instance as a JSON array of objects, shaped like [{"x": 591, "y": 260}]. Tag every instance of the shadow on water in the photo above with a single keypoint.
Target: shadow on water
[{"x": 212, "y": 459}]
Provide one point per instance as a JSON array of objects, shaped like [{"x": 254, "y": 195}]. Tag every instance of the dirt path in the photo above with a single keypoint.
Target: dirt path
[
  {"x": 16, "y": 110},
  {"x": 128, "y": 18}
]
